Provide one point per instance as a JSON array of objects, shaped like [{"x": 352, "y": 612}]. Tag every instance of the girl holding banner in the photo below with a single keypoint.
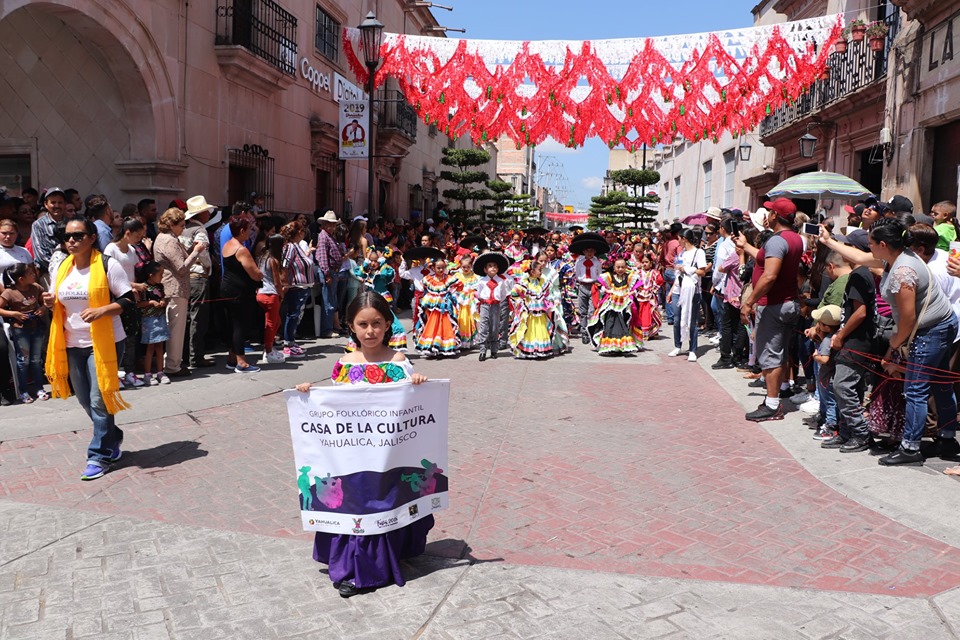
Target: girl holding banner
[{"x": 362, "y": 563}]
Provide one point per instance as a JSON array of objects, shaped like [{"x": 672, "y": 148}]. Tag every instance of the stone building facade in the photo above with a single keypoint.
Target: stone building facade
[{"x": 168, "y": 99}]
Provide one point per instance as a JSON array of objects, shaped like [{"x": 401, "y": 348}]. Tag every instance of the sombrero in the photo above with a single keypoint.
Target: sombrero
[
  {"x": 480, "y": 264},
  {"x": 576, "y": 227},
  {"x": 536, "y": 231},
  {"x": 589, "y": 240},
  {"x": 422, "y": 253},
  {"x": 474, "y": 242}
]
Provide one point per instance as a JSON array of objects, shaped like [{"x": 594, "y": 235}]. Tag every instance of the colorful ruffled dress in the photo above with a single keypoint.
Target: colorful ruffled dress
[
  {"x": 647, "y": 316},
  {"x": 515, "y": 251},
  {"x": 371, "y": 561},
  {"x": 437, "y": 332},
  {"x": 561, "y": 335},
  {"x": 611, "y": 328},
  {"x": 531, "y": 332},
  {"x": 468, "y": 310}
]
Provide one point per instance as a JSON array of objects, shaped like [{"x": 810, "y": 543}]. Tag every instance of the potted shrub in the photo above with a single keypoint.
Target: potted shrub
[
  {"x": 857, "y": 30},
  {"x": 840, "y": 46},
  {"x": 877, "y": 34},
  {"x": 825, "y": 74}
]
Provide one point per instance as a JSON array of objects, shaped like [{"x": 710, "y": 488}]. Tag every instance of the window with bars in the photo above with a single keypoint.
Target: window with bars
[
  {"x": 250, "y": 171},
  {"x": 676, "y": 198},
  {"x": 328, "y": 35}
]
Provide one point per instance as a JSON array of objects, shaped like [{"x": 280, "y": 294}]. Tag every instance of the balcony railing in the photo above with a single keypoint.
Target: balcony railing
[
  {"x": 262, "y": 27},
  {"x": 850, "y": 72},
  {"x": 397, "y": 113}
]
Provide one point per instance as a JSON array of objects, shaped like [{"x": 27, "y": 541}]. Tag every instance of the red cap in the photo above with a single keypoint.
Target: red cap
[
  {"x": 849, "y": 209},
  {"x": 783, "y": 207}
]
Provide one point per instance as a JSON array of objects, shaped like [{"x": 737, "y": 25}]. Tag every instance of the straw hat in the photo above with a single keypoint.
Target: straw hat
[{"x": 195, "y": 205}]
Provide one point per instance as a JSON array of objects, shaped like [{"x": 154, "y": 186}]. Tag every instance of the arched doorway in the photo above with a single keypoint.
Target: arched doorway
[{"x": 90, "y": 88}]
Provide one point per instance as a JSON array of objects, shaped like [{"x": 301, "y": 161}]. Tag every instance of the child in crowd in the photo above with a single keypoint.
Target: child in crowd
[
  {"x": 21, "y": 305},
  {"x": 532, "y": 330},
  {"x": 945, "y": 215},
  {"x": 611, "y": 328},
  {"x": 362, "y": 563},
  {"x": 586, "y": 271},
  {"x": 826, "y": 320},
  {"x": 154, "y": 331},
  {"x": 465, "y": 295},
  {"x": 270, "y": 296},
  {"x": 436, "y": 330},
  {"x": 492, "y": 292},
  {"x": 646, "y": 316}
]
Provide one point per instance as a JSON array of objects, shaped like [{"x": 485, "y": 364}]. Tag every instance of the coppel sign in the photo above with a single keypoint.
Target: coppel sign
[
  {"x": 318, "y": 80},
  {"x": 346, "y": 91}
]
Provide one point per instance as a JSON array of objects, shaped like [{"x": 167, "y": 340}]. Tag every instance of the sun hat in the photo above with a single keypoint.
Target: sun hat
[
  {"x": 197, "y": 205},
  {"x": 329, "y": 216},
  {"x": 828, "y": 315}
]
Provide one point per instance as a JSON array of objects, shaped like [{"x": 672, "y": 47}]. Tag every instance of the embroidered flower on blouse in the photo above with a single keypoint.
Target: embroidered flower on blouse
[
  {"x": 356, "y": 374},
  {"x": 394, "y": 372},
  {"x": 374, "y": 373}
]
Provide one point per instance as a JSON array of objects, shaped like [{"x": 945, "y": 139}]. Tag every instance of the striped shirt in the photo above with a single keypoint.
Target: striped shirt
[{"x": 299, "y": 266}]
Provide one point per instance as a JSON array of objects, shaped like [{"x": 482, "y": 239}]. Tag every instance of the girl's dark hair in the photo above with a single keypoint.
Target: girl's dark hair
[
  {"x": 129, "y": 224},
  {"x": 891, "y": 231},
  {"x": 341, "y": 232},
  {"x": 147, "y": 269},
  {"x": 15, "y": 272},
  {"x": 274, "y": 246},
  {"x": 370, "y": 300},
  {"x": 691, "y": 236}
]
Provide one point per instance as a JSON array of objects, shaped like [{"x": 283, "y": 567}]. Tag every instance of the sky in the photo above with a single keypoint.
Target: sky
[{"x": 594, "y": 20}]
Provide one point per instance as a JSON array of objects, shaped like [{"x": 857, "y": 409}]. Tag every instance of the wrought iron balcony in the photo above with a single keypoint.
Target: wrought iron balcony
[
  {"x": 850, "y": 72},
  {"x": 262, "y": 27},
  {"x": 397, "y": 114}
]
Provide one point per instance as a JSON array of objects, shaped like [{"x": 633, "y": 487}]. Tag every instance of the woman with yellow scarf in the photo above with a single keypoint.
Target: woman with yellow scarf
[{"x": 86, "y": 339}]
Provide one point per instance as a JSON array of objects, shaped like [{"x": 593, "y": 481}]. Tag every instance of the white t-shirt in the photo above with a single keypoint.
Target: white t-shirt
[
  {"x": 688, "y": 262},
  {"x": 13, "y": 255},
  {"x": 73, "y": 295},
  {"x": 128, "y": 260}
]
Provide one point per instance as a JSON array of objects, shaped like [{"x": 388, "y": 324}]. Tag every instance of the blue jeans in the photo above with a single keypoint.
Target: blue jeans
[
  {"x": 329, "y": 305},
  {"x": 296, "y": 299},
  {"x": 828, "y": 403},
  {"x": 29, "y": 343},
  {"x": 716, "y": 305},
  {"x": 694, "y": 321},
  {"x": 669, "y": 275},
  {"x": 107, "y": 436},
  {"x": 930, "y": 351}
]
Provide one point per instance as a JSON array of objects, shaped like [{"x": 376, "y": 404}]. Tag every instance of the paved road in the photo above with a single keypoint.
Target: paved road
[{"x": 590, "y": 497}]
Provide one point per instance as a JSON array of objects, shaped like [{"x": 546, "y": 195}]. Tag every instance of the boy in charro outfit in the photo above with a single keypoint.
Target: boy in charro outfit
[{"x": 493, "y": 290}]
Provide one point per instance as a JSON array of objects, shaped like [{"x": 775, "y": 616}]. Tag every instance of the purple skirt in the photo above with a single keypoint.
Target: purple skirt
[{"x": 371, "y": 561}]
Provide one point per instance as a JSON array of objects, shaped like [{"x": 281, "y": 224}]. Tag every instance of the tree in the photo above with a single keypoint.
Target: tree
[
  {"x": 508, "y": 209},
  {"x": 465, "y": 178},
  {"x": 625, "y": 206}
]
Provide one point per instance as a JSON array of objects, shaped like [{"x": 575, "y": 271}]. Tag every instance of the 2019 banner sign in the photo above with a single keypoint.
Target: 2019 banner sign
[{"x": 370, "y": 458}]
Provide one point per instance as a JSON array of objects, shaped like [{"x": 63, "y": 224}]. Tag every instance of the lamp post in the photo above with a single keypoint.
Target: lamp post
[{"x": 371, "y": 31}]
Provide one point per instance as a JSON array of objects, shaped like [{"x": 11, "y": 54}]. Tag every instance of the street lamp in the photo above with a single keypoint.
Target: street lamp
[
  {"x": 371, "y": 31},
  {"x": 745, "y": 150},
  {"x": 808, "y": 144}
]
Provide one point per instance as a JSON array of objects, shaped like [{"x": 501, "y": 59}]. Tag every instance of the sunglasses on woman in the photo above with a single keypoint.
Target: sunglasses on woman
[{"x": 76, "y": 236}]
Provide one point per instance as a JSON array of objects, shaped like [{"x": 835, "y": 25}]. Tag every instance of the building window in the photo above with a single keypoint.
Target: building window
[
  {"x": 729, "y": 177},
  {"x": 676, "y": 198},
  {"x": 262, "y": 27},
  {"x": 707, "y": 183},
  {"x": 328, "y": 35},
  {"x": 250, "y": 171}
]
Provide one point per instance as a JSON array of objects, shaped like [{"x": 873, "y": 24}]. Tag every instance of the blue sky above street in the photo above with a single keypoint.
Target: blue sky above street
[{"x": 595, "y": 20}]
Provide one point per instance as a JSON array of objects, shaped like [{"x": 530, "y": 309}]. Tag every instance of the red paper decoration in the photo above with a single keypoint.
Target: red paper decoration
[{"x": 711, "y": 92}]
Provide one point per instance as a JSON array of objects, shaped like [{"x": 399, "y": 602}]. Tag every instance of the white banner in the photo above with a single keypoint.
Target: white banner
[
  {"x": 354, "y": 137},
  {"x": 370, "y": 458}
]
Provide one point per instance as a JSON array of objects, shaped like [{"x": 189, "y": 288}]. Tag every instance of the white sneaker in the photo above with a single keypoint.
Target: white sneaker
[
  {"x": 674, "y": 353},
  {"x": 691, "y": 357},
  {"x": 811, "y": 406},
  {"x": 131, "y": 380},
  {"x": 799, "y": 398},
  {"x": 274, "y": 357},
  {"x": 715, "y": 340}
]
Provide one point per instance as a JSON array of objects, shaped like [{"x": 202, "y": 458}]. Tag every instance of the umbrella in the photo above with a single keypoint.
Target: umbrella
[
  {"x": 471, "y": 242},
  {"x": 422, "y": 253},
  {"x": 589, "y": 240},
  {"x": 535, "y": 231},
  {"x": 819, "y": 184},
  {"x": 480, "y": 264},
  {"x": 695, "y": 219}
]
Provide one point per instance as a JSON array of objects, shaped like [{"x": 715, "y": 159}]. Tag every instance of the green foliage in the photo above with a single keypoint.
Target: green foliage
[
  {"x": 626, "y": 206},
  {"x": 508, "y": 209},
  {"x": 465, "y": 177}
]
